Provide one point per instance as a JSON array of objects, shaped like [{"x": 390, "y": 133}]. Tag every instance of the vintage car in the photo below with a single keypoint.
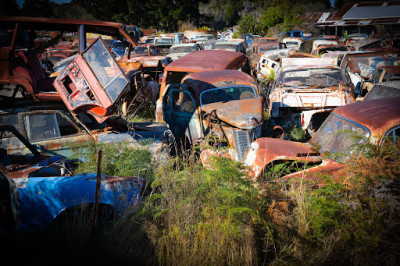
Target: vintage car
[
  {"x": 293, "y": 43},
  {"x": 306, "y": 90},
  {"x": 322, "y": 49},
  {"x": 221, "y": 104},
  {"x": 20, "y": 65},
  {"x": 382, "y": 74},
  {"x": 318, "y": 43},
  {"x": 372, "y": 44},
  {"x": 196, "y": 62},
  {"x": 258, "y": 49},
  {"x": 231, "y": 46},
  {"x": 38, "y": 190},
  {"x": 339, "y": 137},
  {"x": 269, "y": 64},
  {"x": 385, "y": 89},
  {"x": 178, "y": 50},
  {"x": 53, "y": 131},
  {"x": 148, "y": 56}
]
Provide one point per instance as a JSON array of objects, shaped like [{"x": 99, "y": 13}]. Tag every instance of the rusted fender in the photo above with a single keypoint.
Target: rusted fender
[
  {"x": 266, "y": 150},
  {"x": 244, "y": 114}
]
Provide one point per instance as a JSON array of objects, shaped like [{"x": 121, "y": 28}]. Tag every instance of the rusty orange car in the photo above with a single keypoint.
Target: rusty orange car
[
  {"x": 204, "y": 60},
  {"x": 222, "y": 104},
  {"x": 340, "y": 136}
]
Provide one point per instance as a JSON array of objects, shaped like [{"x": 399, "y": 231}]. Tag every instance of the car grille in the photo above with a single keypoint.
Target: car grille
[{"x": 243, "y": 138}]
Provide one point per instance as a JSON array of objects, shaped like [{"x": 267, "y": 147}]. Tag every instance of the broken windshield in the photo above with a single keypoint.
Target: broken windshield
[
  {"x": 338, "y": 138},
  {"x": 227, "y": 94},
  {"x": 105, "y": 69},
  {"x": 312, "y": 77}
]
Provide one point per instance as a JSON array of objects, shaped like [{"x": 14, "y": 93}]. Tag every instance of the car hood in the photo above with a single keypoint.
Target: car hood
[{"x": 243, "y": 114}]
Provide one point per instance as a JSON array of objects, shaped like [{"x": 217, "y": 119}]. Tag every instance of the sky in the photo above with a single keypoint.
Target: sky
[{"x": 21, "y": 2}]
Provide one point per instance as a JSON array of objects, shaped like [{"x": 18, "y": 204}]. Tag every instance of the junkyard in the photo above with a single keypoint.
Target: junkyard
[{"x": 200, "y": 132}]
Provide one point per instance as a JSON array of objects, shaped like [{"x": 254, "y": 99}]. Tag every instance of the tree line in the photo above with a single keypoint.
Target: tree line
[{"x": 254, "y": 16}]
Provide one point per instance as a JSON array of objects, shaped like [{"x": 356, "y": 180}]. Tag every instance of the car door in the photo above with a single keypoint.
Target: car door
[
  {"x": 179, "y": 112},
  {"x": 53, "y": 133}
]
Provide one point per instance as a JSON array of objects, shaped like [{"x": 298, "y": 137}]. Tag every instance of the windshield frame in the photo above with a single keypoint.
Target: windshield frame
[{"x": 344, "y": 78}]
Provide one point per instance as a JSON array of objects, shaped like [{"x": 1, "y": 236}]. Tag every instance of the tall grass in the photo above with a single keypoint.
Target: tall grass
[{"x": 204, "y": 217}]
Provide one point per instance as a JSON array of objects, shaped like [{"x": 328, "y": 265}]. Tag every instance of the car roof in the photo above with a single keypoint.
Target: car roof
[
  {"x": 377, "y": 115},
  {"x": 204, "y": 60},
  {"x": 205, "y": 80}
]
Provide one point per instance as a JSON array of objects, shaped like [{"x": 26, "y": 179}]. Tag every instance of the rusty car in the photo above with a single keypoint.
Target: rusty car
[
  {"x": 259, "y": 49},
  {"x": 20, "y": 66},
  {"x": 384, "y": 89},
  {"x": 223, "y": 105},
  {"x": 293, "y": 42},
  {"x": 382, "y": 74},
  {"x": 318, "y": 43},
  {"x": 54, "y": 131},
  {"x": 196, "y": 62},
  {"x": 305, "y": 91},
  {"x": 39, "y": 191},
  {"x": 233, "y": 46},
  {"x": 178, "y": 50},
  {"x": 342, "y": 134}
]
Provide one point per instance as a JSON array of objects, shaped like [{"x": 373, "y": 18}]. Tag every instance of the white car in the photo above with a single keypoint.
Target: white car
[{"x": 179, "y": 50}]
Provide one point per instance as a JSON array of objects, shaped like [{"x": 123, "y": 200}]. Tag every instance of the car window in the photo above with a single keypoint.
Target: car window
[
  {"x": 182, "y": 102},
  {"x": 10, "y": 119},
  {"x": 41, "y": 126},
  {"x": 65, "y": 126},
  {"x": 381, "y": 91}
]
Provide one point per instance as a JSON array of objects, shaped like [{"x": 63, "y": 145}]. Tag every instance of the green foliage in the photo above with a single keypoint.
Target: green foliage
[
  {"x": 297, "y": 134},
  {"x": 251, "y": 24},
  {"x": 236, "y": 35},
  {"x": 272, "y": 16},
  {"x": 118, "y": 160},
  {"x": 204, "y": 216}
]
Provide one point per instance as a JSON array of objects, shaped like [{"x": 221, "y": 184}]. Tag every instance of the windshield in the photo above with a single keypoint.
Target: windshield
[
  {"x": 118, "y": 45},
  {"x": 105, "y": 69},
  {"x": 164, "y": 41},
  {"x": 227, "y": 94},
  {"x": 209, "y": 37},
  {"x": 229, "y": 47},
  {"x": 182, "y": 49},
  {"x": 338, "y": 138},
  {"x": 312, "y": 76},
  {"x": 141, "y": 50}
]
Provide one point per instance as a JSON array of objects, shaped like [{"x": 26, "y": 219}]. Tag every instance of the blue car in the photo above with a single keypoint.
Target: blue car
[
  {"x": 36, "y": 190},
  {"x": 118, "y": 48}
]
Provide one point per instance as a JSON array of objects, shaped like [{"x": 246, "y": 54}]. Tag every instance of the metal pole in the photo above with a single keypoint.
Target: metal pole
[{"x": 98, "y": 183}]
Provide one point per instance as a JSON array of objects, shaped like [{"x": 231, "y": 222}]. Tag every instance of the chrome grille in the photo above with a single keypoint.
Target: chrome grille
[{"x": 243, "y": 138}]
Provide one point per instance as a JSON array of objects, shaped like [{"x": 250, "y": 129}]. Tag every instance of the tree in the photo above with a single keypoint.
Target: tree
[{"x": 9, "y": 8}]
